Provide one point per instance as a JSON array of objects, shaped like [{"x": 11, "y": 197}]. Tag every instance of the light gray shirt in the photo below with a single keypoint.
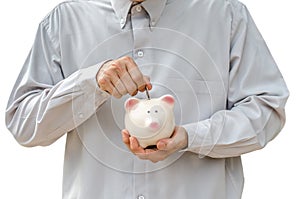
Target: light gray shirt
[{"x": 208, "y": 54}]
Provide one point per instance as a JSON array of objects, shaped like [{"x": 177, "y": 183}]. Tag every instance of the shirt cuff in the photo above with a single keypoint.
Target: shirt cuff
[
  {"x": 199, "y": 138},
  {"x": 87, "y": 80},
  {"x": 91, "y": 96}
]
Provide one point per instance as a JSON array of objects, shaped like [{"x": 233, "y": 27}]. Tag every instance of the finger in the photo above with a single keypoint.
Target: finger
[
  {"x": 155, "y": 156},
  {"x": 103, "y": 84},
  {"x": 121, "y": 66},
  {"x": 115, "y": 92},
  {"x": 119, "y": 86},
  {"x": 148, "y": 154},
  {"x": 135, "y": 147},
  {"x": 134, "y": 144},
  {"x": 151, "y": 151},
  {"x": 125, "y": 137},
  {"x": 178, "y": 140},
  {"x": 135, "y": 74},
  {"x": 147, "y": 81},
  {"x": 106, "y": 85},
  {"x": 117, "y": 70},
  {"x": 112, "y": 74},
  {"x": 147, "y": 84},
  {"x": 129, "y": 84},
  {"x": 167, "y": 143},
  {"x": 161, "y": 145},
  {"x": 137, "y": 78}
]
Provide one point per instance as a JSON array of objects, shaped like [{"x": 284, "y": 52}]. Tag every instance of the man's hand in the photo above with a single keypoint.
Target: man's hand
[
  {"x": 122, "y": 76},
  {"x": 164, "y": 147}
]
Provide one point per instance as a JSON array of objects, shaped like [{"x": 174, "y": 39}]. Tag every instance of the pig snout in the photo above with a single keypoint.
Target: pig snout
[{"x": 153, "y": 123}]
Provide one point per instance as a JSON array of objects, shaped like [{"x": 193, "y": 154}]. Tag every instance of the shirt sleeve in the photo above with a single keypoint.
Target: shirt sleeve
[
  {"x": 256, "y": 98},
  {"x": 44, "y": 105}
]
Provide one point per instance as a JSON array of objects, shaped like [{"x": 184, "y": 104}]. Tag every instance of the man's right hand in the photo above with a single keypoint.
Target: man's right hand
[{"x": 121, "y": 76}]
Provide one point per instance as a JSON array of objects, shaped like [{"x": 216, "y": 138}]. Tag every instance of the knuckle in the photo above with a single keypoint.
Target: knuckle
[
  {"x": 115, "y": 67},
  {"x": 116, "y": 63},
  {"x": 103, "y": 84},
  {"x": 108, "y": 72},
  {"x": 106, "y": 65},
  {"x": 126, "y": 58},
  {"x": 101, "y": 81}
]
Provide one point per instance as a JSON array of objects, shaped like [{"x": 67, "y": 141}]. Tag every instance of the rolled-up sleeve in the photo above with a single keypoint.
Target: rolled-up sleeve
[
  {"x": 44, "y": 104},
  {"x": 256, "y": 97}
]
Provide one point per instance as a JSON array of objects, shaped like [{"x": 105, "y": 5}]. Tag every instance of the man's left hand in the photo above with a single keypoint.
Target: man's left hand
[{"x": 164, "y": 147}]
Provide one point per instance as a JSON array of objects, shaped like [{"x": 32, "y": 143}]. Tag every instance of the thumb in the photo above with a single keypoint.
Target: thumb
[
  {"x": 147, "y": 81},
  {"x": 163, "y": 144}
]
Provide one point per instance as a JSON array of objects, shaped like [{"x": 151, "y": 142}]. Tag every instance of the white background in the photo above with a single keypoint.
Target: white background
[{"x": 36, "y": 173}]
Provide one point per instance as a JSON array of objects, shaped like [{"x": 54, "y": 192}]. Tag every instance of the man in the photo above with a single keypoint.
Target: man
[{"x": 90, "y": 56}]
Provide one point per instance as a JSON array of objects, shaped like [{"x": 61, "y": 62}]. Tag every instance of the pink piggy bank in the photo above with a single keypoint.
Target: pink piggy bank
[{"x": 150, "y": 120}]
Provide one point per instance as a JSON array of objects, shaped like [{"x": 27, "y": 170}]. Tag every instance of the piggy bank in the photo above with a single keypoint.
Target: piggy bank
[{"x": 150, "y": 120}]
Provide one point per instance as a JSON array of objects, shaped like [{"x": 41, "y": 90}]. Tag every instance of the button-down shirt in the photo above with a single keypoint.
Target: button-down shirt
[{"x": 208, "y": 54}]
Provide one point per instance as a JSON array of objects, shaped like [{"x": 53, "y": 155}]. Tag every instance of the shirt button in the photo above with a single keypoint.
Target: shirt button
[
  {"x": 80, "y": 115},
  {"x": 122, "y": 21},
  {"x": 138, "y": 8},
  {"x": 141, "y": 197},
  {"x": 140, "y": 53}
]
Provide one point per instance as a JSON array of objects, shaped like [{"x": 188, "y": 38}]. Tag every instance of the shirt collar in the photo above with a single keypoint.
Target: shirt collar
[{"x": 153, "y": 7}]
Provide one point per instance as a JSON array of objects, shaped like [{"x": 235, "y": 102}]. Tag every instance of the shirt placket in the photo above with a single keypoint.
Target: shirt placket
[{"x": 140, "y": 30}]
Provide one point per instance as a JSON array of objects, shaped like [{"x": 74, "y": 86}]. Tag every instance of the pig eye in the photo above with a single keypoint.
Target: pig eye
[
  {"x": 156, "y": 111},
  {"x": 148, "y": 111}
]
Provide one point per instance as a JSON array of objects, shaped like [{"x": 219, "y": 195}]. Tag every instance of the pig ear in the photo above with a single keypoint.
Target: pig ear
[
  {"x": 130, "y": 103},
  {"x": 169, "y": 99}
]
